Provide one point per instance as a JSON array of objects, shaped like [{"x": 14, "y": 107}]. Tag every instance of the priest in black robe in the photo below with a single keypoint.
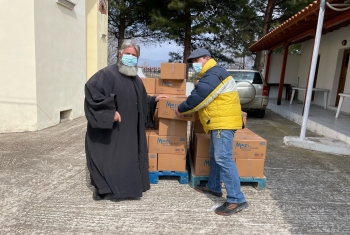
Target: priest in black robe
[{"x": 118, "y": 110}]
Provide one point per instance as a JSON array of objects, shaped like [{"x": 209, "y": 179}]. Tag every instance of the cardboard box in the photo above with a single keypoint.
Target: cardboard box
[
  {"x": 171, "y": 162},
  {"x": 250, "y": 167},
  {"x": 201, "y": 166},
  {"x": 147, "y": 134},
  {"x": 245, "y": 167},
  {"x": 167, "y": 106},
  {"x": 166, "y": 144},
  {"x": 244, "y": 116},
  {"x": 244, "y": 146},
  {"x": 201, "y": 145},
  {"x": 150, "y": 85},
  {"x": 249, "y": 147},
  {"x": 176, "y": 87},
  {"x": 244, "y": 132},
  {"x": 173, "y": 71},
  {"x": 198, "y": 127},
  {"x": 171, "y": 127},
  {"x": 152, "y": 162}
]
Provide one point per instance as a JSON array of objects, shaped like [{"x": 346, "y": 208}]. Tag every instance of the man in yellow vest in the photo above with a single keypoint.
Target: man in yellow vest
[{"x": 216, "y": 99}]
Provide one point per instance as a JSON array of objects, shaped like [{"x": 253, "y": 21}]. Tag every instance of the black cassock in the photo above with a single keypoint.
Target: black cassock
[{"x": 116, "y": 152}]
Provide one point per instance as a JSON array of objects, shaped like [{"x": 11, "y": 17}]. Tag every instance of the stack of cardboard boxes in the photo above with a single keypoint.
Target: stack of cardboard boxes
[
  {"x": 249, "y": 151},
  {"x": 167, "y": 142}
]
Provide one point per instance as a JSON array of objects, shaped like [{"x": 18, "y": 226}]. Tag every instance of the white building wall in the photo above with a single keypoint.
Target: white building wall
[
  {"x": 331, "y": 55},
  {"x": 18, "y": 67},
  {"x": 42, "y": 63},
  {"x": 96, "y": 38},
  {"x": 60, "y": 47},
  {"x": 291, "y": 75}
]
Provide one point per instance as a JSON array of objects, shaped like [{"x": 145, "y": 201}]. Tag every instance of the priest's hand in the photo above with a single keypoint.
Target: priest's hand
[
  {"x": 161, "y": 96},
  {"x": 177, "y": 113},
  {"x": 117, "y": 117}
]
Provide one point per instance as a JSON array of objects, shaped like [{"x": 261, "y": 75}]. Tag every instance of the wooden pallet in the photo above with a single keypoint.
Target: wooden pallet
[
  {"x": 154, "y": 176},
  {"x": 259, "y": 183}
]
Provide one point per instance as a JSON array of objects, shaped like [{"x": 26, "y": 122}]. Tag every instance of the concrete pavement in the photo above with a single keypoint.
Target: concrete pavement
[{"x": 45, "y": 190}]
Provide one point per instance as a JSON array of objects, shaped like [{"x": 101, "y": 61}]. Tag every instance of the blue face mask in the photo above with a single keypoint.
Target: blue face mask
[
  {"x": 197, "y": 67},
  {"x": 129, "y": 60}
]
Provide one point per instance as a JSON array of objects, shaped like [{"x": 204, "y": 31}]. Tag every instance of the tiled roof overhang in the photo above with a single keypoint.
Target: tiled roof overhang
[{"x": 302, "y": 26}]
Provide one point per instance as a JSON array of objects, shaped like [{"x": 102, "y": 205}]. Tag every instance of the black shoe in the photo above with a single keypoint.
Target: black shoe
[
  {"x": 97, "y": 196},
  {"x": 203, "y": 189},
  {"x": 230, "y": 208}
]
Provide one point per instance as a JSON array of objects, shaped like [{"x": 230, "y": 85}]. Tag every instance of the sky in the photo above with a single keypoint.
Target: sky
[{"x": 155, "y": 54}]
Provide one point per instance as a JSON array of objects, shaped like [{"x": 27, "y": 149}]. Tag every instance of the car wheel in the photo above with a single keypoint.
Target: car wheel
[{"x": 260, "y": 113}]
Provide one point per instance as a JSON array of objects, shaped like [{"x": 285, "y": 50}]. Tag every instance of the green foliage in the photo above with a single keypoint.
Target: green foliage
[
  {"x": 282, "y": 10},
  {"x": 173, "y": 17},
  {"x": 273, "y": 14},
  {"x": 208, "y": 24},
  {"x": 226, "y": 28},
  {"x": 294, "y": 49},
  {"x": 285, "y": 10},
  {"x": 130, "y": 19}
]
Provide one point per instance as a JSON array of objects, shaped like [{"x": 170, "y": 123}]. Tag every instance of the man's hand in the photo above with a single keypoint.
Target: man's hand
[
  {"x": 117, "y": 117},
  {"x": 161, "y": 96},
  {"x": 177, "y": 112}
]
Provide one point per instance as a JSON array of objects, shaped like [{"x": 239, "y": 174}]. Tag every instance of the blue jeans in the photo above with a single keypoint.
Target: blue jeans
[{"x": 223, "y": 167}]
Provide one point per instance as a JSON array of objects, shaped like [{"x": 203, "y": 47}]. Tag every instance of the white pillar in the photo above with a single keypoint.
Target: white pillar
[{"x": 313, "y": 67}]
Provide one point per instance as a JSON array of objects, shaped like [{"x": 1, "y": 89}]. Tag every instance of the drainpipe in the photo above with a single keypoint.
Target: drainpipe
[{"x": 313, "y": 67}]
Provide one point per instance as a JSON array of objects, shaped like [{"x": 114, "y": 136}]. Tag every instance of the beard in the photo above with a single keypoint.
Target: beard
[{"x": 127, "y": 70}]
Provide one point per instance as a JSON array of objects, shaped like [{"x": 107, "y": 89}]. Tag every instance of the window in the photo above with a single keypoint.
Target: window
[{"x": 246, "y": 76}]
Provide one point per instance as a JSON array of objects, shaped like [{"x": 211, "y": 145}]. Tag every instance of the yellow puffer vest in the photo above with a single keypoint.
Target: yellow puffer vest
[{"x": 222, "y": 108}]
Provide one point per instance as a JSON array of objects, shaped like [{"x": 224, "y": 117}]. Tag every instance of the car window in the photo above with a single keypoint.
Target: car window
[
  {"x": 246, "y": 76},
  {"x": 257, "y": 78}
]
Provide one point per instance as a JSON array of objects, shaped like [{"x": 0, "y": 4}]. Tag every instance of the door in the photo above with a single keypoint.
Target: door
[{"x": 342, "y": 78}]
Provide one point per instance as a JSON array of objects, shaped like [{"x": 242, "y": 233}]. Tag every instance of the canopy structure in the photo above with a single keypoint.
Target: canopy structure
[
  {"x": 302, "y": 26},
  {"x": 313, "y": 21}
]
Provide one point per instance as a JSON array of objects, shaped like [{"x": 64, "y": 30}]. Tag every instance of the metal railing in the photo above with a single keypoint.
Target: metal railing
[
  {"x": 151, "y": 72},
  {"x": 154, "y": 72}
]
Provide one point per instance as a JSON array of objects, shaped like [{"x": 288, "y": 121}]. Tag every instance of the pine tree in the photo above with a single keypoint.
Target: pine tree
[{"x": 130, "y": 20}]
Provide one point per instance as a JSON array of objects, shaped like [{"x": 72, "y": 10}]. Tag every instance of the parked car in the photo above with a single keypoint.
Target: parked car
[{"x": 252, "y": 90}]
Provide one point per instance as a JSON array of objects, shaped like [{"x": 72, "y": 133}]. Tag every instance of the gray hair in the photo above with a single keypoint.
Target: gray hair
[{"x": 130, "y": 43}]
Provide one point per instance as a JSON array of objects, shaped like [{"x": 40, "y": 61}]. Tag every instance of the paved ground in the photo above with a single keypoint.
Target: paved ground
[{"x": 45, "y": 190}]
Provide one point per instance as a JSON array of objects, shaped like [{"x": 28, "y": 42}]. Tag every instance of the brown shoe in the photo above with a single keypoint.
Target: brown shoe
[
  {"x": 203, "y": 189},
  {"x": 230, "y": 208}
]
